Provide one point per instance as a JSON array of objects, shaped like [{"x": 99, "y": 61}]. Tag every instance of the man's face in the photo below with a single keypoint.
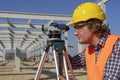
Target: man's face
[{"x": 83, "y": 34}]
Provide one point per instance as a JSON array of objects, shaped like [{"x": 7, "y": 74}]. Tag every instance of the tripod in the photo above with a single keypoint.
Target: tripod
[{"x": 61, "y": 60}]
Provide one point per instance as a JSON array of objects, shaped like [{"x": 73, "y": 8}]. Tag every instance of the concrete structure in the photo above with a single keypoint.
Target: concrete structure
[
  {"x": 21, "y": 33},
  {"x": 20, "y": 30}
]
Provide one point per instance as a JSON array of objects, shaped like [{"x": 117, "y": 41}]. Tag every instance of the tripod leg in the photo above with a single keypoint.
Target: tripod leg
[
  {"x": 65, "y": 67},
  {"x": 56, "y": 64},
  {"x": 40, "y": 67},
  {"x": 69, "y": 64}
]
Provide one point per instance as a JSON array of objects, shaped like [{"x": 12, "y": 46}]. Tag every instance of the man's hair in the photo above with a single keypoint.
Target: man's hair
[{"x": 97, "y": 26}]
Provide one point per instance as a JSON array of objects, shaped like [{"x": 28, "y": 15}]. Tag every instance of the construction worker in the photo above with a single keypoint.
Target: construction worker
[{"x": 101, "y": 58}]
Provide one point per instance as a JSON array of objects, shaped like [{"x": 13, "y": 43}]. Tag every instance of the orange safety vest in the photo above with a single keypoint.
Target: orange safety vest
[{"x": 95, "y": 70}]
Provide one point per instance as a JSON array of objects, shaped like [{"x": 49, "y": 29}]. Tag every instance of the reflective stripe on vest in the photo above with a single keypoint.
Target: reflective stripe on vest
[{"x": 95, "y": 70}]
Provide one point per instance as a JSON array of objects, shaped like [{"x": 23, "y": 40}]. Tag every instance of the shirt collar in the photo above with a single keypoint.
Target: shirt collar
[{"x": 101, "y": 42}]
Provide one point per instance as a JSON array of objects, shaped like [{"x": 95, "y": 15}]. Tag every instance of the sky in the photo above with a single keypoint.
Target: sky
[{"x": 65, "y": 7}]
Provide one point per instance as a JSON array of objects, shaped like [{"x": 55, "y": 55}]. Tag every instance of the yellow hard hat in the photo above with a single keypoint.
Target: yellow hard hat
[{"x": 86, "y": 11}]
